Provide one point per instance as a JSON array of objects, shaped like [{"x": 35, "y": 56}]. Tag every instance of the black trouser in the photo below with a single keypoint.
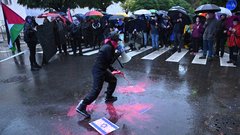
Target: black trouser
[
  {"x": 99, "y": 76},
  {"x": 77, "y": 43},
  {"x": 32, "y": 49},
  {"x": 233, "y": 53},
  {"x": 196, "y": 44},
  {"x": 17, "y": 41},
  {"x": 220, "y": 43},
  {"x": 178, "y": 41},
  {"x": 163, "y": 38}
]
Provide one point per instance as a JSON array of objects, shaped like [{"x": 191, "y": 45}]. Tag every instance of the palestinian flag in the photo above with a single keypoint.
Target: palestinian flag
[{"x": 14, "y": 25}]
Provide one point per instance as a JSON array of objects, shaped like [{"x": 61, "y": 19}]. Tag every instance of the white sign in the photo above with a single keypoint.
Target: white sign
[{"x": 104, "y": 126}]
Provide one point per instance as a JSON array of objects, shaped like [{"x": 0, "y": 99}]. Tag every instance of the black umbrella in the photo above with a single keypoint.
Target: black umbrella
[
  {"x": 162, "y": 12},
  {"x": 174, "y": 12},
  {"x": 207, "y": 8},
  {"x": 80, "y": 17}
]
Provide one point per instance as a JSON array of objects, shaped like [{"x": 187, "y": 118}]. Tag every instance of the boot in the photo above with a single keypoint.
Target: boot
[
  {"x": 110, "y": 99},
  {"x": 36, "y": 65},
  {"x": 34, "y": 68},
  {"x": 81, "y": 108}
]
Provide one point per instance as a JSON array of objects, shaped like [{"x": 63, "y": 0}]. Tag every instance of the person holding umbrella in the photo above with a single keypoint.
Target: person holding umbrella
[
  {"x": 197, "y": 32},
  {"x": 234, "y": 41},
  {"x": 221, "y": 35},
  {"x": 178, "y": 30},
  {"x": 209, "y": 35}
]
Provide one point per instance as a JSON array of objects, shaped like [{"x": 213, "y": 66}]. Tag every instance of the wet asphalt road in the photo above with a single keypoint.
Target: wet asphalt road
[{"x": 161, "y": 98}]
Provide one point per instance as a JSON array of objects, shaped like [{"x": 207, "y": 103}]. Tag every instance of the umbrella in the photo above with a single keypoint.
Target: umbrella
[
  {"x": 116, "y": 17},
  {"x": 163, "y": 13},
  {"x": 153, "y": 11},
  {"x": 224, "y": 11},
  {"x": 229, "y": 21},
  {"x": 94, "y": 13},
  {"x": 174, "y": 12},
  {"x": 142, "y": 12},
  {"x": 122, "y": 14},
  {"x": 80, "y": 17},
  {"x": 207, "y": 8},
  {"x": 52, "y": 14}
]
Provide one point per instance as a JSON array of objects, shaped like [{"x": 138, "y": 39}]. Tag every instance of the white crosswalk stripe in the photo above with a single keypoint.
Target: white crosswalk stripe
[
  {"x": 155, "y": 54},
  {"x": 176, "y": 57},
  {"x": 91, "y": 53},
  {"x": 196, "y": 60},
  {"x": 224, "y": 59},
  {"x": 134, "y": 53}
]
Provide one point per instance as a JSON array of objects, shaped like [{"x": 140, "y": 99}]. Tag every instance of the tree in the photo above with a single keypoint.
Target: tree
[
  {"x": 133, "y": 5},
  {"x": 57, "y": 5},
  {"x": 97, "y": 4},
  {"x": 63, "y": 5}
]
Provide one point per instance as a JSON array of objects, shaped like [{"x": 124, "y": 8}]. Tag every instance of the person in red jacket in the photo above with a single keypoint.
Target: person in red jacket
[{"x": 234, "y": 41}]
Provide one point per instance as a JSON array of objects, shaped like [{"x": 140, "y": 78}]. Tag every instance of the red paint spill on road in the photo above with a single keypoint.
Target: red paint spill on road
[
  {"x": 138, "y": 88},
  {"x": 62, "y": 130},
  {"x": 72, "y": 111}
]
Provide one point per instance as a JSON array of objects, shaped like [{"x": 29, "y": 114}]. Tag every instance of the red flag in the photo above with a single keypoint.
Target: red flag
[{"x": 69, "y": 15}]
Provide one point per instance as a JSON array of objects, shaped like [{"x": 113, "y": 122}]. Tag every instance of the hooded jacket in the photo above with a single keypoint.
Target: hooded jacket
[{"x": 234, "y": 37}]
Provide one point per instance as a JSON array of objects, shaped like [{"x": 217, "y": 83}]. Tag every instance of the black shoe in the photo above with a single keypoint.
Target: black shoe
[
  {"x": 202, "y": 57},
  {"x": 81, "y": 108},
  {"x": 179, "y": 50},
  {"x": 34, "y": 68},
  {"x": 210, "y": 58},
  {"x": 37, "y": 66},
  {"x": 110, "y": 99},
  {"x": 230, "y": 61}
]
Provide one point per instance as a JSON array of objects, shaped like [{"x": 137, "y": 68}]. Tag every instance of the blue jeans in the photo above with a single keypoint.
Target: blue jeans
[
  {"x": 155, "y": 38},
  {"x": 208, "y": 46},
  {"x": 145, "y": 39}
]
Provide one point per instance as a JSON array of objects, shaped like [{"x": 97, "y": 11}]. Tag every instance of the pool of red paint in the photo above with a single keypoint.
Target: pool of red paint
[{"x": 138, "y": 88}]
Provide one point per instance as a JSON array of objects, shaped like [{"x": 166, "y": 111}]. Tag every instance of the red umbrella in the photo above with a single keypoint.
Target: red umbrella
[
  {"x": 94, "y": 13},
  {"x": 52, "y": 14},
  {"x": 229, "y": 21}
]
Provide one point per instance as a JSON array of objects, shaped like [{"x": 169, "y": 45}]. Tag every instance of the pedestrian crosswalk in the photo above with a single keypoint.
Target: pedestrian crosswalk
[
  {"x": 196, "y": 60},
  {"x": 155, "y": 54},
  {"x": 175, "y": 57}
]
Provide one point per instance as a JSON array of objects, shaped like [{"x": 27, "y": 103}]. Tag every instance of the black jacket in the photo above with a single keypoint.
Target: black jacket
[
  {"x": 105, "y": 58},
  {"x": 30, "y": 35}
]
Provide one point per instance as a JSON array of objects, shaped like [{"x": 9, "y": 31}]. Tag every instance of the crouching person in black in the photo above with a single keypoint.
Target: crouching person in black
[
  {"x": 101, "y": 73},
  {"x": 30, "y": 37}
]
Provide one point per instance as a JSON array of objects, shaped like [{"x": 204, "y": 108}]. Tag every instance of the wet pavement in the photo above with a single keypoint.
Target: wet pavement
[{"x": 158, "y": 97}]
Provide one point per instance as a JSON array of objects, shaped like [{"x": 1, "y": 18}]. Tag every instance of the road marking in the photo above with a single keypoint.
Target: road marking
[
  {"x": 155, "y": 54},
  {"x": 5, "y": 51},
  {"x": 91, "y": 53},
  {"x": 224, "y": 59},
  {"x": 176, "y": 57},
  {"x": 134, "y": 53},
  {"x": 196, "y": 59},
  {"x": 12, "y": 56}
]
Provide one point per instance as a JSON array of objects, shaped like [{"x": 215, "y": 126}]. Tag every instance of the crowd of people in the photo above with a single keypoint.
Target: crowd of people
[{"x": 136, "y": 32}]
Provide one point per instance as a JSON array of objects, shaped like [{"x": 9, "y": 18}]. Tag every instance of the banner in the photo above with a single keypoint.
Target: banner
[{"x": 46, "y": 38}]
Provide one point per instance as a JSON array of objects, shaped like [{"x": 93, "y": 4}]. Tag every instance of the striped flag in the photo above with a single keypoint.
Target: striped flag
[
  {"x": 104, "y": 126},
  {"x": 14, "y": 25}
]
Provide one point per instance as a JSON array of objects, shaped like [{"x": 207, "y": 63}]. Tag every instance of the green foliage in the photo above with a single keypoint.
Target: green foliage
[
  {"x": 97, "y": 4},
  {"x": 58, "y": 5},
  {"x": 133, "y": 5},
  {"x": 63, "y": 5}
]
